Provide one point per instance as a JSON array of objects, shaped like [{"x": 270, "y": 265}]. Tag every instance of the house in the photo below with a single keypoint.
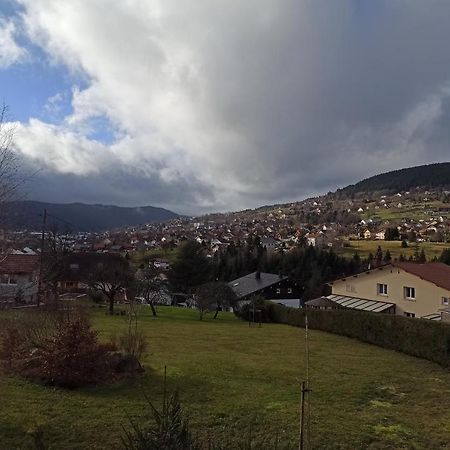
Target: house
[
  {"x": 322, "y": 303},
  {"x": 268, "y": 285},
  {"x": 403, "y": 288},
  {"x": 270, "y": 244},
  {"x": 19, "y": 279},
  {"x": 316, "y": 239},
  {"x": 380, "y": 235},
  {"x": 367, "y": 234},
  {"x": 161, "y": 264},
  {"x": 79, "y": 267}
]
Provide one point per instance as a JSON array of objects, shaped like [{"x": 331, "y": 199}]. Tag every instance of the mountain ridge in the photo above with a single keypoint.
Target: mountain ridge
[{"x": 83, "y": 217}]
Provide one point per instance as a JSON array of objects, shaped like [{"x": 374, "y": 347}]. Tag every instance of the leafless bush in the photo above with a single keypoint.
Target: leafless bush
[{"x": 132, "y": 340}]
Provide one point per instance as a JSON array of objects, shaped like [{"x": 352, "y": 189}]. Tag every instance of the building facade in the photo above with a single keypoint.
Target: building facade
[{"x": 416, "y": 290}]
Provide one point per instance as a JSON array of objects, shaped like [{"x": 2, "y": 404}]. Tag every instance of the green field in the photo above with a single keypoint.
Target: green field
[
  {"x": 232, "y": 378},
  {"x": 416, "y": 210},
  {"x": 363, "y": 248},
  {"x": 142, "y": 257}
]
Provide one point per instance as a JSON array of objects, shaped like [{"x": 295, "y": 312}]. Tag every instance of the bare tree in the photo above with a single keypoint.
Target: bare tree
[
  {"x": 9, "y": 170},
  {"x": 214, "y": 296},
  {"x": 9, "y": 162},
  {"x": 54, "y": 261},
  {"x": 111, "y": 279},
  {"x": 151, "y": 287}
]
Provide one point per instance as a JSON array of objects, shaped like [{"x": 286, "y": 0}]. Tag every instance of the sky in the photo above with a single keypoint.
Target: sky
[{"x": 207, "y": 105}]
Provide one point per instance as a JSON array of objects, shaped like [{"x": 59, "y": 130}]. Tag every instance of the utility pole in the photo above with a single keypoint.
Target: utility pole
[
  {"x": 41, "y": 262},
  {"x": 304, "y": 409}
]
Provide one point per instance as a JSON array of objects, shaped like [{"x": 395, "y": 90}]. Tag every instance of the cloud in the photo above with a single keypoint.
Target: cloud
[
  {"x": 10, "y": 52},
  {"x": 242, "y": 103}
]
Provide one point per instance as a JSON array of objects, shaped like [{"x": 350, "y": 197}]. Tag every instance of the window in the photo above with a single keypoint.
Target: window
[
  {"x": 408, "y": 314},
  {"x": 409, "y": 293},
  {"x": 382, "y": 289},
  {"x": 289, "y": 290},
  {"x": 445, "y": 301},
  {"x": 278, "y": 291}
]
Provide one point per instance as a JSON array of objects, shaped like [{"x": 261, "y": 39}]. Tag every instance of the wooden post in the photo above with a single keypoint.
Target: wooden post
[
  {"x": 41, "y": 259},
  {"x": 302, "y": 417}
]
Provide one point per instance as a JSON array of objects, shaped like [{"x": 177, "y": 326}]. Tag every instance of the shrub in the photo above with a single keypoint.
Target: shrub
[
  {"x": 72, "y": 357},
  {"x": 54, "y": 347},
  {"x": 132, "y": 342},
  {"x": 22, "y": 333},
  {"x": 261, "y": 307}
]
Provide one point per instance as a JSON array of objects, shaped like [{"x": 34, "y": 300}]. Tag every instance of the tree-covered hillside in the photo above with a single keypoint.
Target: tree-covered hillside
[
  {"x": 82, "y": 217},
  {"x": 431, "y": 175}
]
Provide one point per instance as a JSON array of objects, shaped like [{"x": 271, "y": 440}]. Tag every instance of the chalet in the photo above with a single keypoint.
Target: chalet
[
  {"x": 19, "y": 279},
  {"x": 79, "y": 267},
  {"x": 403, "y": 288},
  {"x": 268, "y": 285}
]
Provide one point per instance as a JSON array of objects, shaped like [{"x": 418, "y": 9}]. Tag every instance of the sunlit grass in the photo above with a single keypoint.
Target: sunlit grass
[{"x": 233, "y": 377}]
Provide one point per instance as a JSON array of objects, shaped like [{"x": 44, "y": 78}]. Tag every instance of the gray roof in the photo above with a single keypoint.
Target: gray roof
[
  {"x": 269, "y": 240},
  {"x": 321, "y": 301},
  {"x": 361, "y": 304},
  {"x": 434, "y": 316},
  {"x": 249, "y": 284},
  {"x": 289, "y": 302}
]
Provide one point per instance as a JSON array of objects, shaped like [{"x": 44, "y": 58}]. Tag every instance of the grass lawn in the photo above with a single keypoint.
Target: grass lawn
[
  {"x": 410, "y": 210},
  {"x": 232, "y": 377},
  {"x": 363, "y": 248},
  {"x": 142, "y": 257}
]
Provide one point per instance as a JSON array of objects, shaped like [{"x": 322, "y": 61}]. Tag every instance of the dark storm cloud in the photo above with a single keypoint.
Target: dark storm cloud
[{"x": 250, "y": 103}]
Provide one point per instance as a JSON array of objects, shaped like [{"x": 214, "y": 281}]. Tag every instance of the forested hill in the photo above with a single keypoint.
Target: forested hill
[
  {"x": 82, "y": 217},
  {"x": 431, "y": 176}
]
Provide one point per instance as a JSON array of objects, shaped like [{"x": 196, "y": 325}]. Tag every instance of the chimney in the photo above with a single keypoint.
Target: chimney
[{"x": 257, "y": 275}]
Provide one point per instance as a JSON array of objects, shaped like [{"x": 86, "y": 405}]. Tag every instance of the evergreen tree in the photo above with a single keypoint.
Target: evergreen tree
[
  {"x": 445, "y": 256},
  {"x": 422, "y": 257},
  {"x": 191, "y": 269},
  {"x": 379, "y": 255}
]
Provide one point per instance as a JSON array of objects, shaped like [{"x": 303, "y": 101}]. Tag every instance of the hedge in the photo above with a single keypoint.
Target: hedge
[{"x": 417, "y": 337}]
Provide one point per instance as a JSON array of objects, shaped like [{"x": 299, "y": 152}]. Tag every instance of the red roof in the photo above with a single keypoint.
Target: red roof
[
  {"x": 437, "y": 273},
  {"x": 18, "y": 264}
]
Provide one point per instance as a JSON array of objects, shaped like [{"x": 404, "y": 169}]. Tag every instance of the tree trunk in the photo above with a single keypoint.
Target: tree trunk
[
  {"x": 152, "y": 306},
  {"x": 217, "y": 312},
  {"x": 111, "y": 305}
]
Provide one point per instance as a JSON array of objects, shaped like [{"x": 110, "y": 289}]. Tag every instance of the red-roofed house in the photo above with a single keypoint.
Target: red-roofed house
[
  {"x": 18, "y": 278},
  {"x": 416, "y": 290}
]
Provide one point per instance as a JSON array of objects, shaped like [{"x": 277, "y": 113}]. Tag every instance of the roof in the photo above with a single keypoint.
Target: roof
[
  {"x": 289, "y": 302},
  {"x": 320, "y": 301},
  {"x": 437, "y": 273},
  {"x": 269, "y": 241},
  {"x": 361, "y": 304},
  {"x": 79, "y": 266},
  {"x": 250, "y": 284},
  {"x": 19, "y": 264},
  {"x": 434, "y": 316}
]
